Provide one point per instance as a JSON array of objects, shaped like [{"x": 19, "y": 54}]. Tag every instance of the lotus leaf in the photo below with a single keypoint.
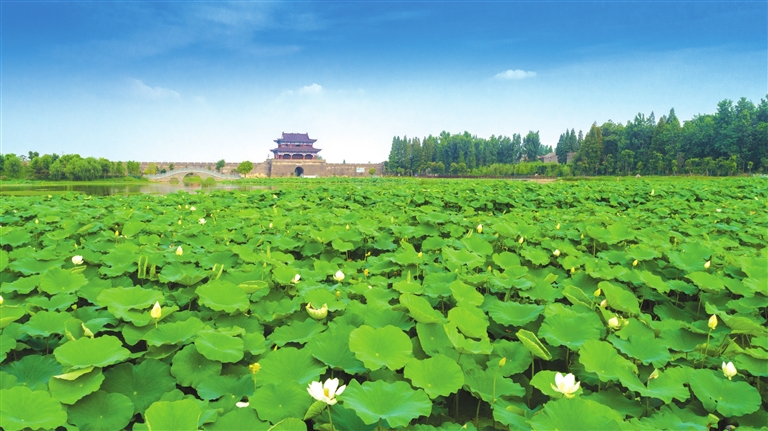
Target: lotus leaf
[
  {"x": 217, "y": 346},
  {"x": 381, "y": 347},
  {"x": 289, "y": 365},
  {"x": 100, "y": 411},
  {"x": 275, "y": 402},
  {"x": 33, "y": 371},
  {"x": 396, "y": 403},
  {"x": 21, "y": 408},
  {"x": 182, "y": 415},
  {"x": 144, "y": 383},
  {"x": 438, "y": 375},
  {"x": 69, "y": 391},
  {"x": 223, "y": 296},
  {"x": 729, "y": 398},
  {"x": 190, "y": 367}
]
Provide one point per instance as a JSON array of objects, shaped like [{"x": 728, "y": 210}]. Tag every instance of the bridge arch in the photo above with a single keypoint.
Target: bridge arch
[{"x": 180, "y": 174}]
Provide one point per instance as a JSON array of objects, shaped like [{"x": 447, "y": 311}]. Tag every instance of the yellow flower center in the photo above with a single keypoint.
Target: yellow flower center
[{"x": 326, "y": 392}]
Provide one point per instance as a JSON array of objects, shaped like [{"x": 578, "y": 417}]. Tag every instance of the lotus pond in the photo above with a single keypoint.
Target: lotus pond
[{"x": 633, "y": 305}]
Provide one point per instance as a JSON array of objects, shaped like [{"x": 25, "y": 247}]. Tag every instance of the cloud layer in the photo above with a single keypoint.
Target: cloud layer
[
  {"x": 139, "y": 88},
  {"x": 515, "y": 74}
]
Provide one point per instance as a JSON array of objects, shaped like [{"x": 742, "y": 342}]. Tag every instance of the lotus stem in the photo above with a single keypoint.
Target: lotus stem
[
  {"x": 706, "y": 349},
  {"x": 330, "y": 418}
]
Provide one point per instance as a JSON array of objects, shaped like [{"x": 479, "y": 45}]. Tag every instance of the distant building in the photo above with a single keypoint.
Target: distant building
[
  {"x": 295, "y": 146},
  {"x": 549, "y": 158}
]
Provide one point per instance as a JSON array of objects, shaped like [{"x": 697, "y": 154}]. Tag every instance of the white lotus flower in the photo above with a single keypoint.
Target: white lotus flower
[
  {"x": 566, "y": 384},
  {"x": 729, "y": 370},
  {"x": 201, "y": 221},
  {"x": 295, "y": 279},
  {"x": 614, "y": 323},
  {"x": 191, "y": 208},
  {"x": 77, "y": 260},
  {"x": 1, "y": 300},
  {"x": 326, "y": 392},
  {"x": 242, "y": 404},
  {"x": 179, "y": 251},
  {"x": 604, "y": 303},
  {"x": 556, "y": 253},
  {"x": 479, "y": 228},
  {"x": 157, "y": 311},
  {"x": 707, "y": 264},
  {"x": 520, "y": 241},
  {"x": 339, "y": 276}
]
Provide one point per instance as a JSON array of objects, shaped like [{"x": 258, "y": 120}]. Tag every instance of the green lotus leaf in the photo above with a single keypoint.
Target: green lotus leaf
[
  {"x": 420, "y": 309},
  {"x": 514, "y": 313},
  {"x": 466, "y": 345},
  {"x": 70, "y": 391},
  {"x": 620, "y": 298},
  {"x": 190, "y": 367},
  {"x": 332, "y": 348},
  {"x": 58, "y": 280},
  {"x": 275, "y": 402},
  {"x": 128, "y": 298},
  {"x": 101, "y": 411},
  {"x": 86, "y": 352},
  {"x": 729, "y": 398},
  {"x": 706, "y": 281},
  {"x": 217, "y": 386},
  {"x": 518, "y": 358},
  {"x": 58, "y": 302},
  {"x": 239, "y": 420},
  {"x": 182, "y": 415},
  {"x": 470, "y": 320},
  {"x": 22, "y": 285},
  {"x": 297, "y": 332},
  {"x": 533, "y": 344},
  {"x": 669, "y": 385},
  {"x": 755, "y": 366},
  {"x": 30, "y": 265},
  {"x": 405, "y": 255},
  {"x": 616, "y": 400},
  {"x": 21, "y": 408},
  {"x": 537, "y": 256},
  {"x": 132, "y": 227},
  {"x": 289, "y": 366},
  {"x": 571, "y": 328},
  {"x": 602, "y": 359},
  {"x": 466, "y": 294},
  {"x": 647, "y": 349},
  {"x": 577, "y": 414},
  {"x": 576, "y": 296},
  {"x": 490, "y": 384},
  {"x": 395, "y": 403},
  {"x": 184, "y": 274},
  {"x": 433, "y": 338},
  {"x": 33, "y": 371},
  {"x": 381, "y": 347},
  {"x": 45, "y": 323},
  {"x": 654, "y": 281},
  {"x": 438, "y": 375},
  {"x": 118, "y": 262},
  {"x": 477, "y": 245},
  {"x": 289, "y": 424},
  {"x": 10, "y": 314},
  {"x": 144, "y": 383},
  {"x": 671, "y": 417},
  {"x": 454, "y": 259},
  {"x": 217, "y": 346},
  {"x": 507, "y": 260},
  {"x": 174, "y": 332},
  {"x": 744, "y": 325},
  {"x": 223, "y": 296},
  {"x": 13, "y": 237},
  {"x": 7, "y": 343}
]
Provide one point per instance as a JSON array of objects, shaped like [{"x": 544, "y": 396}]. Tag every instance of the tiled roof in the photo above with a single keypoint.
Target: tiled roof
[
  {"x": 295, "y": 138},
  {"x": 295, "y": 150}
]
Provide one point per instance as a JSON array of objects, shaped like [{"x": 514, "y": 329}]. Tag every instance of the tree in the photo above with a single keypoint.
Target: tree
[
  {"x": 134, "y": 168},
  {"x": 531, "y": 146},
  {"x": 220, "y": 165},
  {"x": 372, "y": 171},
  {"x": 151, "y": 169},
  {"x": 244, "y": 168},
  {"x": 591, "y": 152},
  {"x": 170, "y": 166},
  {"x": 13, "y": 165}
]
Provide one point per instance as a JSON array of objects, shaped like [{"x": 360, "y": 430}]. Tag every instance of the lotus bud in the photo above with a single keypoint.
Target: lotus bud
[
  {"x": 157, "y": 311},
  {"x": 489, "y": 268},
  {"x": 367, "y": 254},
  {"x": 729, "y": 370},
  {"x": 479, "y": 228},
  {"x": 712, "y": 323},
  {"x": 186, "y": 206},
  {"x": 573, "y": 269},
  {"x": 614, "y": 323},
  {"x": 254, "y": 368},
  {"x": 201, "y": 221},
  {"x": 274, "y": 196},
  {"x": 557, "y": 227},
  {"x": 556, "y": 253},
  {"x": 1, "y": 300},
  {"x": 339, "y": 276},
  {"x": 338, "y": 295},
  {"x": 179, "y": 251},
  {"x": 634, "y": 263},
  {"x": 604, "y": 303},
  {"x": 582, "y": 236},
  {"x": 419, "y": 255},
  {"x": 37, "y": 221},
  {"x": 270, "y": 225},
  {"x": 192, "y": 208},
  {"x": 87, "y": 332},
  {"x": 69, "y": 335},
  {"x": 707, "y": 264},
  {"x": 179, "y": 222},
  {"x": 296, "y": 279},
  {"x": 365, "y": 271},
  {"x": 117, "y": 233},
  {"x": 653, "y": 192},
  {"x": 317, "y": 313},
  {"x": 77, "y": 260},
  {"x": 598, "y": 292},
  {"x": 654, "y": 374},
  {"x": 347, "y": 227},
  {"x": 521, "y": 240},
  {"x": 502, "y": 361}
]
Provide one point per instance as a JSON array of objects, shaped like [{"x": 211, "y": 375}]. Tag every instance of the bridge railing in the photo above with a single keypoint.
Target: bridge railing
[{"x": 193, "y": 170}]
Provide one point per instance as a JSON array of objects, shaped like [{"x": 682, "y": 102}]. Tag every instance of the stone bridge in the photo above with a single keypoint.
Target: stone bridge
[{"x": 179, "y": 174}]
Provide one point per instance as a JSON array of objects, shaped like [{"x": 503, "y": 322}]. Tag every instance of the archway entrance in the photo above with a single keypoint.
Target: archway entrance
[{"x": 299, "y": 171}]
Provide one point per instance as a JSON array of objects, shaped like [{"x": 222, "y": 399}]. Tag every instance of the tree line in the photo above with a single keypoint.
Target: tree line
[
  {"x": 732, "y": 140},
  {"x": 71, "y": 167}
]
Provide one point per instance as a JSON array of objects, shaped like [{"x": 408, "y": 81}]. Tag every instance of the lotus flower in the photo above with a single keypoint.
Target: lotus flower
[
  {"x": 603, "y": 303},
  {"x": 634, "y": 263},
  {"x": 339, "y": 276},
  {"x": 326, "y": 392},
  {"x": 556, "y": 253},
  {"x": 557, "y": 227},
  {"x": 566, "y": 384},
  {"x": 37, "y": 221},
  {"x": 707, "y": 264},
  {"x": 729, "y": 370},
  {"x": 157, "y": 311},
  {"x": 712, "y": 323},
  {"x": 479, "y": 228},
  {"x": 242, "y": 404},
  {"x": 317, "y": 313},
  {"x": 614, "y": 323},
  {"x": 192, "y": 208},
  {"x": 179, "y": 251},
  {"x": 254, "y": 368},
  {"x": 201, "y": 221},
  {"x": 1, "y": 300},
  {"x": 295, "y": 279},
  {"x": 520, "y": 241},
  {"x": 77, "y": 260}
]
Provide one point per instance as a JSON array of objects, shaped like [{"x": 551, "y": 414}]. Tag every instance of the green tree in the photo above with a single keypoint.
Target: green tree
[
  {"x": 170, "y": 166},
  {"x": 134, "y": 168},
  {"x": 531, "y": 146},
  {"x": 590, "y": 154},
  {"x": 220, "y": 165},
  {"x": 13, "y": 165},
  {"x": 244, "y": 168},
  {"x": 151, "y": 169}
]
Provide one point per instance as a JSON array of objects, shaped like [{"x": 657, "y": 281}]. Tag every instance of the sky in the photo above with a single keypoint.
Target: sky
[{"x": 210, "y": 80}]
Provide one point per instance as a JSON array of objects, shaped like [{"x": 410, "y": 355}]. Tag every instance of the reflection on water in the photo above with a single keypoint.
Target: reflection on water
[{"x": 119, "y": 189}]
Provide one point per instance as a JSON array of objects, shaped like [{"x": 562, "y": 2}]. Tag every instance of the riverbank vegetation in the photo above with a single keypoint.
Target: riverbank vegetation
[{"x": 67, "y": 167}]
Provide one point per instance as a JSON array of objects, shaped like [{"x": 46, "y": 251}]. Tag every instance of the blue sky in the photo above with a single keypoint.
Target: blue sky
[{"x": 202, "y": 81}]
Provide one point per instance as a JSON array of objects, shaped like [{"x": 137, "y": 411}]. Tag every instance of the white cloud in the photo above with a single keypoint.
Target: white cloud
[
  {"x": 139, "y": 88},
  {"x": 311, "y": 89},
  {"x": 515, "y": 74}
]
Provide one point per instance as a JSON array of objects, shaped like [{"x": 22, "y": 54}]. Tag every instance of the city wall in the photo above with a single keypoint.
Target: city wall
[{"x": 284, "y": 168}]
